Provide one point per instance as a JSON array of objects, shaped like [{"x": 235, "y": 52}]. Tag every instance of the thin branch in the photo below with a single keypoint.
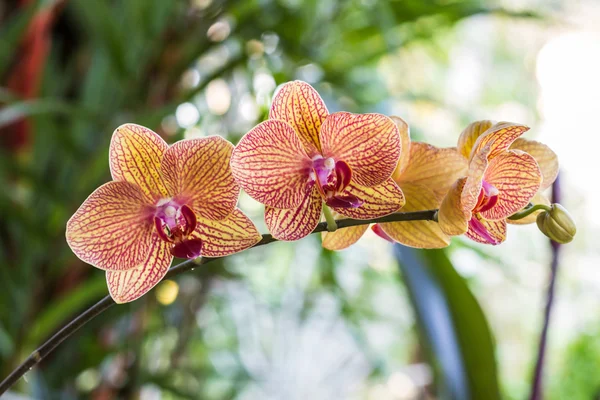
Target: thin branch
[{"x": 83, "y": 318}]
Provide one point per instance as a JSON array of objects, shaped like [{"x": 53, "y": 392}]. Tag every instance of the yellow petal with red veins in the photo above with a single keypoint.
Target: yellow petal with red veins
[
  {"x": 230, "y": 235},
  {"x": 451, "y": 218},
  {"x": 545, "y": 157},
  {"x": 298, "y": 222},
  {"x": 475, "y": 173},
  {"x": 517, "y": 177},
  {"x": 127, "y": 286},
  {"x": 419, "y": 234},
  {"x": 469, "y": 136},
  {"x": 500, "y": 137},
  {"x": 404, "y": 131},
  {"x": 495, "y": 229},
  {"x": 433, "y": 167},
  {"x": 378, "y": 200},
  {"x": 135, "y": 155},
  {"x": 539, "y": 198},
  {"x": 343, "y": 238},
  {"x": 368, "y": 143},
  {"x": 298, "y": 104},
  {"x": 112, "y": 229},
  {"x": 197, "y": 171},
  {"x": 270, "y": 164}
]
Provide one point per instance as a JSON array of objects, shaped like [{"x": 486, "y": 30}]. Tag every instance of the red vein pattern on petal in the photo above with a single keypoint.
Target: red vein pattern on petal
[
  {"x": 198, "y": 171},
  {"x": 230, "y": 235},
  {"x": 499, "y": 137},
  {"x": 473, "y": 184},
  {"x": 368, "y": 143},
  {"x": 517, "y": 177},
  {"x": 496, "y": 229},
  {"x": 299, "y": 104},
  {"x": 270, "y": 164},
  {"x": 127, "y": 286},
  {"x": 298, "y": 222},
  {"x": 378, "y": 201},
  {"x": 469, "y": 136},
  {"x": 135, "y": 155},
  {"x": 112, "y": 229},
  {"x": 545, "y": 157}
]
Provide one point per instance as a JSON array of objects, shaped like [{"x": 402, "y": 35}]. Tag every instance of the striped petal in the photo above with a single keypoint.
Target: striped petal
[
  {"x": 469, "y": 136},
  {"x": 545, "y": 157},
  {"x": 343, "y": 238},
  {"x": 298, "y": 222},
  {"x": 403, "y": 162},
  {"x": 230, "y": 235},
  {"x": 539, "y": 198},
  {"x": 517, "y": 177},
  {"x": 451, "y": 217},
  {"x": 298, "y": 104},
  {"x": 270, "y": 164},
  {"x": 433, "y": 167},
  {"x": 419, "y": 234},
  {"x": 377, "y": 200},
  {"x": 112, "y": 229},
  {"x": 135, "y": 155},
  {"x": 197, "y": 170},
  {"x": 472, "y": 188},
  {"x": 499, "y": 137},
  {"x": 495, "y": 231},
  {"x": 130, "y": 285},
  {"x": 368, "y": 143}
]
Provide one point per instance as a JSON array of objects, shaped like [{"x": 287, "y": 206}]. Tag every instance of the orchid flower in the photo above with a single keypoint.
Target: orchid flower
[
  {"x": 302, "y": 157},
  {"x": 425, "y": 174},
  {"x": 501, "y": 180},
  {"x": 164, "y": 201}
]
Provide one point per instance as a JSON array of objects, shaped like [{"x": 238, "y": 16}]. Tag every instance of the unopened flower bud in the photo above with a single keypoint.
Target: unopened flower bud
[{"x": 557, "y": 224}]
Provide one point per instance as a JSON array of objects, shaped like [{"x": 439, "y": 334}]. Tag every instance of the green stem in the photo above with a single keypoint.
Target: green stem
[
  {"x": 528, "y": 211},
  {"x": 331, "y": 224}
]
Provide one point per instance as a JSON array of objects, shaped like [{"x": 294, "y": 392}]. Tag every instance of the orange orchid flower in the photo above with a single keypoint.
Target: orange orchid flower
[
  {"x": 164, "y": 201},
  {"x": 425, "y": 174},
  {"x": 302, "y": 157},
  {"x": 505, "y": 174}
]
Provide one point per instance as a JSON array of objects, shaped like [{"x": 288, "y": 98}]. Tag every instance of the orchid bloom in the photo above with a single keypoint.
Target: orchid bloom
[
  {"x": 425, "y": 174},
  {"x": 164, "y": 201},
  {"x": 302, "y": 157},
  {"x": 503, "y": 177}
]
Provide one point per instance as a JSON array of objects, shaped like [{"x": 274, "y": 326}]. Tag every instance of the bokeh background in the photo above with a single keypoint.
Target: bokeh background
[{"x": 291, "y": 320}]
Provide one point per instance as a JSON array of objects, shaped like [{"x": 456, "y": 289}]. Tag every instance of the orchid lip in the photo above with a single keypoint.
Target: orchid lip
[
  {"x": 332, "y": 178},
  {"x": 174, "y": 224},
  {"x": 481, "y": 230},
  {"x": 488, "y": 197}
]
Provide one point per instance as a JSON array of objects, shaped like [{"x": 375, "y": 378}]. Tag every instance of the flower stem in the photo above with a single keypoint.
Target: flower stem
[
  {"x": 106, "y": 302},
  {"x": 528, "y": 210},
  {"x": 331, "y": 224}
]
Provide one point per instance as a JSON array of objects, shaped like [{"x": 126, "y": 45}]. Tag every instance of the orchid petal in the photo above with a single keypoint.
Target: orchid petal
[
  {"x": 451, "y": 217},
  {"x": 539, "y": 198},
  {"x": 404, "y": 131},
  {"x": 299, "y": 104},
  {"x": 198, "y": 172},
  {"x": 419, "y": 234},
  {"x": 344, "y": 237},
  {"x": 135, "y": 155},
  {"x": 298, "y": 222},
  {"x": 433, "y": 167},
  {"x": 473, "y": 184},
  {"x": 545, "y": 157},
  {"x": 230, "y": 235},
  {"x": 499, "y": 137},
  {"x": 368, "y": 143},
  {"x": 494, "y": 231},
  {"x": 469, "y": 136},
  {"x": 112, "y": 229},
  {"x": 517, "y": 177},
  {"x": 127, "y": 286},
  {"x": 270, "y": 164},
  {"x": 377, "y": 200}
]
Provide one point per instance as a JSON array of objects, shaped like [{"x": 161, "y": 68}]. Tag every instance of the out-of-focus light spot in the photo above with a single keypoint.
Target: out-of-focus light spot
[
  {"x": 248, "y": 108},
  {"x": 380, "y": 392},
  {"x": 255, "y": 48},
  {"x": 218, "y": 96},
  {"x": 401, "y": 386},
  {"x": 87, "y": 380},
  {"x": 270, "y": 41},
  {"x": 219, "y": 31},
  {"x": 187, "y": 115},
  {"x": 150, "y": 392},
  {"x": 310, "y": 73},
  {"x": 169, "y": 125},
  {"x": 465, "y": 77},
  {"x": 167, "y": 292},
  {"x": 190, "y": 78},
  {"x": 202, "y": 4},
  {"x": 264, "y": 82},
  {"x": 193, "y": 133}
]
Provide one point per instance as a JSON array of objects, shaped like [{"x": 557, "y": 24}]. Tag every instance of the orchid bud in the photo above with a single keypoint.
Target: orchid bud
[{"x": 557, "y": 224}]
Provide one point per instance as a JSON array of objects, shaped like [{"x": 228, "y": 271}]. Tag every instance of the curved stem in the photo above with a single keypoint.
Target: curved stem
[
  {"x": 528, "y": 210},
  {"x": 47, "y": 347}
]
